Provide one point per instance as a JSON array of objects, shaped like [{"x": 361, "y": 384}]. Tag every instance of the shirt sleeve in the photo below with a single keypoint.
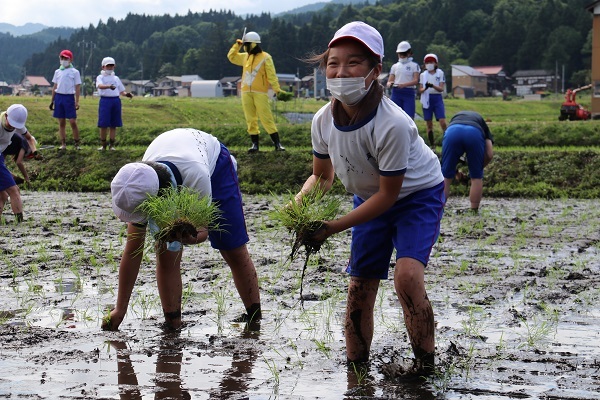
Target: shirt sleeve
[{"x": 271, "y": 74}]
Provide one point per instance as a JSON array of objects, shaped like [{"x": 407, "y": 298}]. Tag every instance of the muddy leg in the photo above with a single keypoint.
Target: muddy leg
[
  {"x": 359, "y": 318},
  {"x": 245, "y": 279},
  {"x": 168, "y": 279},
  {"x": 409, "y": 282}
]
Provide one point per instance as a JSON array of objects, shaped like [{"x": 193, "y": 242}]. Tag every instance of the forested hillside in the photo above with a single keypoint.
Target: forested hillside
[
  {"x": 16, "y": 49},
  {"x": 518, "y": 34}
]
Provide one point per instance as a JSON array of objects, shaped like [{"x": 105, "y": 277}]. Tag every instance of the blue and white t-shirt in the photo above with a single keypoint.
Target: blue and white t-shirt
[{"x": 387, "y": 143}]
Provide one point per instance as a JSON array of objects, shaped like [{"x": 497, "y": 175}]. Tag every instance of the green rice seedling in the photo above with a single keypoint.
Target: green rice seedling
[
  {"x": 361, "y": 372},
  {"x": 537, "y": 330},
  {"x": 322, "y": 347},
  {"x": 178, "y": 213},
  {"x": 273, "y": 369},
  {"x": 303, "y": 217}
]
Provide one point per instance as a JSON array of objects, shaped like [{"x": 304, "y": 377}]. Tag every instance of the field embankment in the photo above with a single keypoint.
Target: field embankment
[{"x": 535, "y": 154}]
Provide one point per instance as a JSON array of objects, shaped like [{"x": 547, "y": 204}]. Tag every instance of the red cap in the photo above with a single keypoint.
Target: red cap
[{"x": 67, "y": 53}]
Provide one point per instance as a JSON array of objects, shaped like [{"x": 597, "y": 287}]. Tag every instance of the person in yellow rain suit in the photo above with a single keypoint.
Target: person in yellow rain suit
[{"x": 258, "y": 72}]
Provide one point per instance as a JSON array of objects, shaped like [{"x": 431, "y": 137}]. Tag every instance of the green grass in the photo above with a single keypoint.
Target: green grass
[{"x": 535, "y": 154}]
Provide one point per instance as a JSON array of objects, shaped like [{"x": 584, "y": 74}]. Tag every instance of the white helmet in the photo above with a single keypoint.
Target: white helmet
[
  {"x": 251, "y": 37},
  {"x": 108, "y": 61},
  {"x": 403, "y": 47}
]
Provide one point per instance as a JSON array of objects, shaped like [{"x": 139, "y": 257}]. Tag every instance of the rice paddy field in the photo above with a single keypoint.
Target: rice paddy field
[{"x": 515, "y": 292}]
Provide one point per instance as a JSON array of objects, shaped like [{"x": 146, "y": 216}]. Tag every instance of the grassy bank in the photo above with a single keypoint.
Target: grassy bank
[{"x": 535, "y": 154}]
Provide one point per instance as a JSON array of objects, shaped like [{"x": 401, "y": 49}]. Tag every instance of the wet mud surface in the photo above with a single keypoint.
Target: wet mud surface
[{"x": 515, "y": 292}]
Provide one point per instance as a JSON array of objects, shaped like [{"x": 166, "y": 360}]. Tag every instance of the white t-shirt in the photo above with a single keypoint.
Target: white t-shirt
[
  {"x": 386, "y": 144},
  {"x": 112, "y": 79},
  {"x": 6, "y": 136},
  {"x": 436, "y": 78},
  {"x": 404, "y": 72},
  {"x": 193, "y": 152},
  {"x": 66, "y": 80}
]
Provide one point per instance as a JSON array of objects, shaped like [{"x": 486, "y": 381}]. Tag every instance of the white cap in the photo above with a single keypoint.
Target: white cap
[
  {"x": 108, "y": 60},
  {"x": 130, "y": 187},
  {"x": 403, "y": 47},
  {"x": 430, "y": 55},
  {"x": 16, "y": 116},
  {"x": 362, "y": 32}
]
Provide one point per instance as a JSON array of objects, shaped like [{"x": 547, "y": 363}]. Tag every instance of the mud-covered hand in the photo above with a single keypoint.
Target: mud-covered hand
[
  {"x": 112, "y": 321},
  {"x": 129, "y": 95},
  {"x": 51, "y": 106},
  {"x": 112, "y": 87},
  {"x": 200, "y": 237},
  {"x": 316, "y": 238},
  {"x": 428, "y": 85}
]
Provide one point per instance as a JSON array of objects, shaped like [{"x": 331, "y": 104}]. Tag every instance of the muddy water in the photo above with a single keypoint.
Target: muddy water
[{"x": 514, "y": 289}]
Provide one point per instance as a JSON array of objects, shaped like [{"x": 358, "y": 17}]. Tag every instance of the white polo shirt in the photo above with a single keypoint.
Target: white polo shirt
[
  {"x": 66, "y": 80},
  {"x": 112, "y": 79},
  {"x": 404, "y": 72}
]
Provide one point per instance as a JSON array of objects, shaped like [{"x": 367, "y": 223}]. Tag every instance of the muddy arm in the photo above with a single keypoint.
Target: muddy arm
[{"x": 128, "y": 272}]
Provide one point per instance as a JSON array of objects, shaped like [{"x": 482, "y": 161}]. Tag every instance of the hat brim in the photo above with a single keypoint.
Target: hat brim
[
  {"x": 135, "y": 217},
  {"x": 351, "y": 37}
]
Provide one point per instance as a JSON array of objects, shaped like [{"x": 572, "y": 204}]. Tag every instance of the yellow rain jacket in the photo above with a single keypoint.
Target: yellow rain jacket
[{"x": 258, "y": 70}]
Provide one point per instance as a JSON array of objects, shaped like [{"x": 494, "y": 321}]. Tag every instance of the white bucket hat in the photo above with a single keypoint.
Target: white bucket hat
[{"x": 130, "y": 187}]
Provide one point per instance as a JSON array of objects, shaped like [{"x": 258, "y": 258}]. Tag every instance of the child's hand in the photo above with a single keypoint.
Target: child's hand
[{"x": 112, "y": 321}]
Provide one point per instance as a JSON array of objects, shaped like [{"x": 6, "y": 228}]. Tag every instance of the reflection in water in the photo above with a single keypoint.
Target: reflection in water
[
  {"x": 235, "y": 380},
  {"x": 168, "y": 370}
]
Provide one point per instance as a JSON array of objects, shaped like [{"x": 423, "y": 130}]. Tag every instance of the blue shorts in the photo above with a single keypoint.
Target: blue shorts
[
  {"x": 436, "y": 107},
  {"x": 405, "y": 99},
  {"x": 458, "y": 140},
  {"x": 64, "y": 106},
  {"x": 109, "y": 112},
  {"x": 412, "y": 226},
  {"x": 226, "y": 194},
  {"x": 6, "y": 178}
]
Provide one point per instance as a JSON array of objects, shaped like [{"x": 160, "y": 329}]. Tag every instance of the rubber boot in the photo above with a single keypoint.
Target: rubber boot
[
  {"x": 254, "y": 148},
  {"x": 431, "y": 140},
  {"x": 103, "y": 147},
  {"x": 275, "y": 139}
]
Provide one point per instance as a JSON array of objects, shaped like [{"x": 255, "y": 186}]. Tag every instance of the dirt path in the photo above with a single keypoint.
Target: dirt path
[{"x": 515, "y": 292}]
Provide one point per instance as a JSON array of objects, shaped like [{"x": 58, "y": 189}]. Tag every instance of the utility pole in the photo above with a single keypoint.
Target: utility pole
[{"x": 83, "y": 44}]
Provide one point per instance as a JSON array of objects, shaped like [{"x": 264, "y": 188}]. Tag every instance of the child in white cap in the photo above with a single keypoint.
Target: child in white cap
[
  {"x": 12, "y": 122},
  {"x": 109, "y": 88},
  {"x": 375, "y": 150},
  {"x": 196, "y": 160}
]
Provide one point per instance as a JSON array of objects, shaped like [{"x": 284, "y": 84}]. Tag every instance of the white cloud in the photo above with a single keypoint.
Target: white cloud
[{"x": 85, "y": 12}]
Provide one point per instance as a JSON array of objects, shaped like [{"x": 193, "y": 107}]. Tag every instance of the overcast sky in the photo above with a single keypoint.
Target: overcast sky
[{"x": 81, "y": 13}]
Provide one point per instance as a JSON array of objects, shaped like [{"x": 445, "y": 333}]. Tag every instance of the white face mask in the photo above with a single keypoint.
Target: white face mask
[
  {"x": 430, "y": 67},
  {"x": 348, "y": 90},
  {"x": 108, "y": 71},
  {"x": 65, "y": 63},
  {"x": 403, "y": 60}
]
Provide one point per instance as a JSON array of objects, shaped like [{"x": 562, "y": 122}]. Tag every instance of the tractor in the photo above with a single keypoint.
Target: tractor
[{"x": 570, "y": 109}]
